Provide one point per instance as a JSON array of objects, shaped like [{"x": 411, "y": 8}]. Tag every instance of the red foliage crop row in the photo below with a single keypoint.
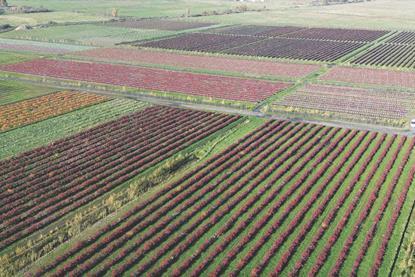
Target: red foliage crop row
[
  {"x": 149, "y": 244},
  {"x": 153, "y": 79},
  {"x": 378, "y": 217},
  {"x": 94, "y": 175},
  {"x": 317, "y": 236},
  {"x": 150, "y": 205},
  {"x": 252, "y": 67},
  {"x": 365, "y": 212},
  {"x": 328, "y": 156},
  {"x": 147, "y": 240},
  {"x": 371, "y": 76},
  {"x": 386, "y": 237},
  {"x": 27, "y": 187},
  {"x": 221, "y": 205},
  {"x": 396, "y": 55},
  {"x": 203, "y": 223},
  {"x": 323, "y": 205},
  {"x": 323, "y": 255}
]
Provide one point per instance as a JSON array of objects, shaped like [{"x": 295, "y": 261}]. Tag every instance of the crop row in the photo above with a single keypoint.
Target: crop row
[
  {"x": 276, "y": 182},
  {"x": 369, "y": 76},
  {"x": 403, "y": 38},
  {"x": 202, "y": 42},
  {"x": 52, "y": 129},
  {"x": 211, "y": 86},
  {"x": 303, "y": 33},
  {"x": 360, "y": 103},
  {"x": 303, "y": 49},
  {"x": 297, "y": 49},
  {"x": 396, "y": 55},
  {"x": 248, "y": 67},
  {"x": 42, "y": 185},
  {"x": 40, "y": 108},
  {"x": 337, "y": 34}
]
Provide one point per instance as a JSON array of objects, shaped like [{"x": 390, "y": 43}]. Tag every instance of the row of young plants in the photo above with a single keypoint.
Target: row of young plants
[
  {"x": 152, "y": 203},
  {"x": 261, "y": 199},
  {"x": 103, "y": 175}
]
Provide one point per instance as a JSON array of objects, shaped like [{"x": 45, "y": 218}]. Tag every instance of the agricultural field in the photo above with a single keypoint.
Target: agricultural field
[
  {"x": 313, "y": 50},
  {"x": 202, "y": 42},
  {"x": 7, "y": 57},
  {"x": 38, "y": 47},
  {"x": 298, "y": 198},
  {"x": 37, "y": 109},
  {"x": 390, "y": 55},
  {"x": 210, "y": 86},
  {"x": 207, "y": 138},
  {"x": 65, "y": 175},
  {"x": 371, "y": 77},
  {"x": 337, "y": 34},
  {"x": 44, "y": 132},
  {"x": 304, "y": 33},
  {"x": 14, "y": 91},
  {"x": 392, "y": 108},
  {"x": 255, "y": 30},
  {"x": 86, "y": 34},
  {"x": 202, "y": 63},
  {"x": 167, "y": 25},
  {"x": 303, "y": 49},
  {"x": 403, "y": 38}
]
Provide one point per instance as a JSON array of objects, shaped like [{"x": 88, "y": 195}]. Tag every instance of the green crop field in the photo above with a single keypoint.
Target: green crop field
[
  {"x": 13, "y": 91},
  {"x": 12, "y": 57},
  {"x": 86, "y": 34}
]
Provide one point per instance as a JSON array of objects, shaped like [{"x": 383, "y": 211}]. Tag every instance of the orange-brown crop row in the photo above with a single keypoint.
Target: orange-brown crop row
[{"x": 40, "y": 108}]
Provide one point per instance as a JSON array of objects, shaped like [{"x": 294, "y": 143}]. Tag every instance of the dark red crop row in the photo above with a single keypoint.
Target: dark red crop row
[
  {"x": 303, "y": 49},
  {"x": 153, "y": 79},
  {"x": 386, "y": 200},
  {"x": 365, "y": 212},
  {"x": 396, "y": 55},
  {"x": 403, "y": 38},
  {"x": 337, "y": 34},
  {"x": 318, "y": 234},
  {"x": 320, "y": 209},
  {"x": 38, "y": 195},
  {"x": 238, "y": 211},
  {"x": 152, "y": 204},
  {"x": 202, "y": 42}
]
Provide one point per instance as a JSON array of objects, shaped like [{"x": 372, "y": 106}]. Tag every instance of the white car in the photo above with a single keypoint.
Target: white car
[{"x": 413, "y": 123}]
